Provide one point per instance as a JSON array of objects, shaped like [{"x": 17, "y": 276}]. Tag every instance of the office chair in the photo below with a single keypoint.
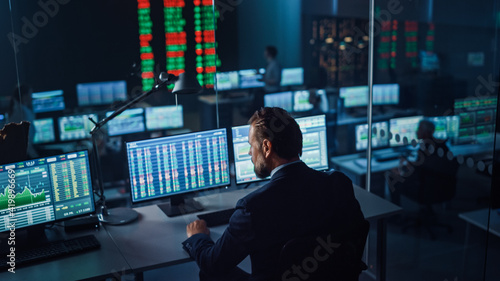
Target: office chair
[
  {"x": 307, "y": 258},
  {"x": 14, "y": 142},
  {"x": 436, "y": 186}
]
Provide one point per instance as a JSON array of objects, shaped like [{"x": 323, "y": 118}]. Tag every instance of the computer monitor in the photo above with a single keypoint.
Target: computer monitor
[
  {"x": 301, "y": 101},
  {"x": 383, "y": 94},
  {"x": 292, "y": 76},
  {"x": 283, "y": 100},
  {"x": 101, "y": 93},
  {"x": 314, "y": 147},
  {"x": 354, "y": 96},
  {"x": 44, "y": 130},
  {"x": 75, "y": 127},
  {"x": 477, "y": 118},
  {"x": 128, "y": 122},
  {"x": 386, "y": 94},
  {"x": 228, "y": 81},
  {"x": 251, "y": 78},
  {"x": 48, "y": 101},
  {"x": 171, "y": 167},
  {"x": 164, "y": 117},
  {"x": 446, "y": 127},
  {"x": 380, "y": 135},
  {"x": 403, "y": 130},
  {"x": 45, "y": 190}
]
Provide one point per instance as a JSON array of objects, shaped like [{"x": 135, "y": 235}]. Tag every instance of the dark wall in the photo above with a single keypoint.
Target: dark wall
[{"x": 7, "y": 58}]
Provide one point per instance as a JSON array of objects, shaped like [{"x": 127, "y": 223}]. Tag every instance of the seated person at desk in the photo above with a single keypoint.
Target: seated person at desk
[
  {"x": 431, "y": 163},
  {"x": 296, "y": 201}
]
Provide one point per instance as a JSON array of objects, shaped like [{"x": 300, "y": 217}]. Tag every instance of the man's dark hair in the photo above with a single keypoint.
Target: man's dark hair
[
  {"x": 276, "y": 125},
  {"x": 272, "y": 51}
]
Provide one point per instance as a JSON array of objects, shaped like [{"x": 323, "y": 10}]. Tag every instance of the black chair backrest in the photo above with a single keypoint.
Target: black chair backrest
[
  {"x": 14, "y": 142},
  {"x": 329, "y": 256}
]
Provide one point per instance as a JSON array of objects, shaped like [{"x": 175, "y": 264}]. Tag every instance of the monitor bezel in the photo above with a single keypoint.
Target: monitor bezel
[
  {"x": 185, "y": 194},
  {"x": 92, "y": 193}
]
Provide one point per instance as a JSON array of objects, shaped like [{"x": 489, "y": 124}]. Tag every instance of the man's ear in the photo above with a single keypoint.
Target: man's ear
[{"x": 266, "y": 147}]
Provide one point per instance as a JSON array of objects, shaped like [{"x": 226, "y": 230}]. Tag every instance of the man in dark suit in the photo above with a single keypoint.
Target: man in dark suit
[{"x": 296, "y": 201}]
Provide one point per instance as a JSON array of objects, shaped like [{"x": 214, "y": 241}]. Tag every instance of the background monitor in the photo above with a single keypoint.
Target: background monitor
[
  {"x": 446, "y": 127},
  {"x": 477, "y": 118},
  {"x": 48, "y": 101},
  {"x": 301, "y": 101},
  {"x": 314, "y": 147},
  {"x": 385, "y": 94},
  {"x": 44, "y": 130},
  {"x": 380, "y": 135},
  {"x": 46, "y": 190},
  {"x": 175, "y": 165},
  {"x": 164, "y": 117},
  {"x": 128, "y": 122},
  {"x": 283, "y": 100},
  {"x": 251, "y": 78},
  {"x": 292, "y": 76},
  {"x": 101, "y": 93},
  {"x": 75, "y": 127},
  {"x": 354, "y": 96},
  {"x": 228, "y": 81},
  {"x": 403, "y": 130}
]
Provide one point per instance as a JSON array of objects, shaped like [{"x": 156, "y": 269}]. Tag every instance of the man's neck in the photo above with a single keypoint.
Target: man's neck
[{"x": 281, "y": 161}]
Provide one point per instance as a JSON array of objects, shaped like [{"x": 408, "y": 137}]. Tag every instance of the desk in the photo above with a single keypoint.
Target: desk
[
  {"x": 357, "y": 172},
  {"x": 93, "y": 265},
  {"x": 479, "y": 218},
  {"x": 154, "y": 240}
]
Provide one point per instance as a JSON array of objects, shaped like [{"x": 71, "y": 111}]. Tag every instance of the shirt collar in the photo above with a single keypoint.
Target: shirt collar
[{"x": 283, "y": 166}]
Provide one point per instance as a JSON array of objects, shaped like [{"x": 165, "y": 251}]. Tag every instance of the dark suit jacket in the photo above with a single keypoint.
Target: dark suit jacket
[{"x": 297, "y": 201}]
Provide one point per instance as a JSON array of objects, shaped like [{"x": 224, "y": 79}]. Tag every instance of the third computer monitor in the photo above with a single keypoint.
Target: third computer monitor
[
  {"x": 380, "y": 135},
  {"x": 164, "y": 117},
  {"x": 404, "y": 130},
  {"x": 283, "y": 100},
  {"x": 314, "y": 147},
  {"x": 75, "y": 127}
]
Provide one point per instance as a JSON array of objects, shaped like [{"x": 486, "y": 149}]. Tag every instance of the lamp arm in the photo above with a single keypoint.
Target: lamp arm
[{"x": 128, "y": 105}]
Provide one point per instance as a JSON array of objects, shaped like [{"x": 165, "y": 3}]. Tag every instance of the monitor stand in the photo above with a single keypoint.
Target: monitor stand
[{"x": 180, "y": 206}]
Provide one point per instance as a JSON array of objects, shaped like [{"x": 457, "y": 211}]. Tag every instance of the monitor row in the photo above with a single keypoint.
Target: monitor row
[
  {"x": 383, "y": 94},
  {"x": 252, "y": 78},
  {"x": 296, "y": 101},
  {"x": 459, "y": 129},
  {"x": 60, "y": 187},
  {"x": 135, "y": 120}
]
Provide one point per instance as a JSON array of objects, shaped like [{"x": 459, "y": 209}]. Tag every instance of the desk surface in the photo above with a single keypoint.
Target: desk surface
[
  {"x": 97, "y": 264},
  {"x": 348, "y": 162},
  {"x": 155, "y": 239},
  {"x": 479, "y": 218}
]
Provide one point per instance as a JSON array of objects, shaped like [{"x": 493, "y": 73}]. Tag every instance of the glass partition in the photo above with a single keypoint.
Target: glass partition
[{"x": 414, "y": 122}]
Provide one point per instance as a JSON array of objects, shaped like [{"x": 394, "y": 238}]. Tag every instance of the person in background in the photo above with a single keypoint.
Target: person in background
[
  {"x": 20, "y": 109},
  {"x": 272, "y": 77}
]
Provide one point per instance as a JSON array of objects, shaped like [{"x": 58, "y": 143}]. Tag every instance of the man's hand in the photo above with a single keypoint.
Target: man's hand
[{"x": 198, "y": 226}]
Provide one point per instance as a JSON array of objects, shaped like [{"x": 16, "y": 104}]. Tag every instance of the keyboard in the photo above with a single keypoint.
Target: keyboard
[
  {"x": 388, "y": 156},
  {"x": 53, "y": 250},
  {"x": 218, "y": 217}
]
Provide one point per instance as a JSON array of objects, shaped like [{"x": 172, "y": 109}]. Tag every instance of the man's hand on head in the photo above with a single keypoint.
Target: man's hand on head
[{"x": 198, "y": 226}]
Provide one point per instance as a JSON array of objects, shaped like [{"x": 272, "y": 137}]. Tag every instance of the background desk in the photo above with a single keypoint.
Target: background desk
[
  {"x": 93, "y": 265},
  {"x": 154, "y": 240}
]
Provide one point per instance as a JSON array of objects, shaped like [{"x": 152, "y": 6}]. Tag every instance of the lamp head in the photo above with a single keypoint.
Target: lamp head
[{"x": 185, "y": 83}]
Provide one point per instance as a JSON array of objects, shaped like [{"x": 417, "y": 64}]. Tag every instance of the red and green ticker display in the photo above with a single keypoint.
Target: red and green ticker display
[{"x": 176, "y": 42}]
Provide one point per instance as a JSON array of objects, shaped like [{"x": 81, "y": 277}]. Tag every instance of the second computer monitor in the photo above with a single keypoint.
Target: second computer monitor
[
  {"x": 283, "y": 100},
  {"x": 380, "y": 135},
  {"x": 44, "y": 130},
  {"x": 314, "y": 147},
  {"x": 175, "y": 165},
  {"x": 404, "y": 130},
  {"x": 128, "y": 122},
  {"x": 164, "y": 117},
  {"x": 228, "y": 81},
  {"x": 48, "y": 101},
  {"x": 75, "y": 127}
]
